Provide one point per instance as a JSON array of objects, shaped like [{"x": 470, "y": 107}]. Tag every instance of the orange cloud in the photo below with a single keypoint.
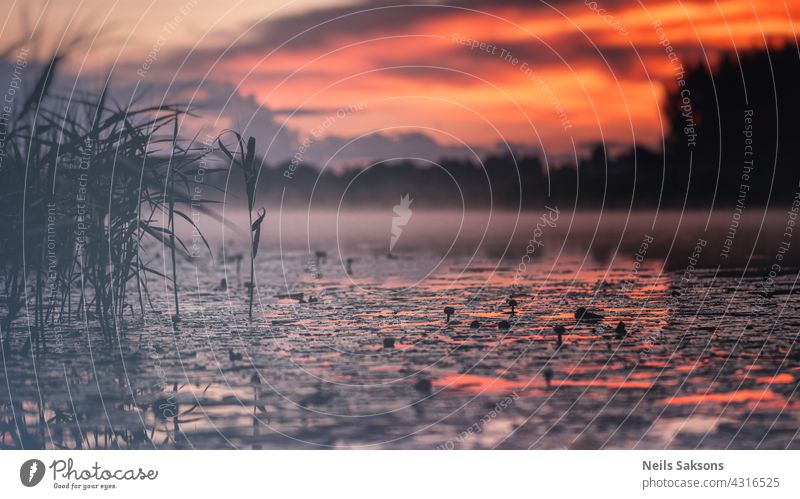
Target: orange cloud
[
  {"x": 617, "y": 96},
  {"x": 601, "y": 68}
]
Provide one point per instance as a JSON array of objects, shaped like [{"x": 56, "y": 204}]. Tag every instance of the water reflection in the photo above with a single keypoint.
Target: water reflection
[{"x": 707, "y": 361}]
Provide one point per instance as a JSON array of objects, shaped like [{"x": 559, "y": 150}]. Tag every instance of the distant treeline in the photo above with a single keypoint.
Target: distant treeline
[{"x": 732, "y": 140}]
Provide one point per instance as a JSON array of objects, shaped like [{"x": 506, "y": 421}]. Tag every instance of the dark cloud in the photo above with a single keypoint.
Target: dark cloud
[
  {"x": 324, "y": 28},
  {"x": 340, "y": 151},
  {"x": 316, "y": 28}
]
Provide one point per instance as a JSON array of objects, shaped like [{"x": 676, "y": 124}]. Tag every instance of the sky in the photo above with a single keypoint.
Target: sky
[{"x": 346, "y": 82}]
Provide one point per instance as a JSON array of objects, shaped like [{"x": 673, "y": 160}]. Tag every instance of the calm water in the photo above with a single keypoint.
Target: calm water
[{"x": 709, "y": 358}]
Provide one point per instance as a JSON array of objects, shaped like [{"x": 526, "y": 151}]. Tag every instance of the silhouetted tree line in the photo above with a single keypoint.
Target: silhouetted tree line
[
  {"x": 703, "y": 161},
  {"x": 763, "y": 84}
]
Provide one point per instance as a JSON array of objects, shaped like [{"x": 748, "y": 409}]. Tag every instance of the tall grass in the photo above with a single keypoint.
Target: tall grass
[
  {"x": 84, "y": 185},
  {"x": 244, "y": 156}
]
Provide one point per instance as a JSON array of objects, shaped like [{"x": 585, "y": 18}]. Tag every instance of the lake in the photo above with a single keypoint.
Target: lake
[{"x": 365, "y": 357}]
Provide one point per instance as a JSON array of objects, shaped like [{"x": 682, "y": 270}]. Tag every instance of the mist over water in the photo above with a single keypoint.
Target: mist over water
[
  {"x": 364, "y": 357},
  {"x": 503, "y": 235}
]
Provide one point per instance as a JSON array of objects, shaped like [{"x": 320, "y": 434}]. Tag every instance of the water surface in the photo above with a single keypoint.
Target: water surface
[{"x": 709, "y": 358}]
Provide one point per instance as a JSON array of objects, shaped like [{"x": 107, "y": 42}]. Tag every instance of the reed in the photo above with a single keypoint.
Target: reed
[
  {"x": 244, "y": 157},
  {"x": 85, "y": 186}
]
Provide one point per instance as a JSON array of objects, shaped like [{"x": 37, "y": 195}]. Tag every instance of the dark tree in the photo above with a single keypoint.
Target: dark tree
[{"x": 760, "y": 85}]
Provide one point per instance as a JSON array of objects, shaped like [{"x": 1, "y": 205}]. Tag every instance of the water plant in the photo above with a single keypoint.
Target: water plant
[
  {"x": 85, "y": 182},
  {"x": 244, "y": 156}
]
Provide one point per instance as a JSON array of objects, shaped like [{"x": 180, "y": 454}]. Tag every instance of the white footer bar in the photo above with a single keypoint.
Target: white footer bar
[{"x": 401, "y": 474}]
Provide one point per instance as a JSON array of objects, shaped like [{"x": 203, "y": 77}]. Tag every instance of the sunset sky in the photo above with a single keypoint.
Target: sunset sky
[{"x": 404, "y": 80}]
